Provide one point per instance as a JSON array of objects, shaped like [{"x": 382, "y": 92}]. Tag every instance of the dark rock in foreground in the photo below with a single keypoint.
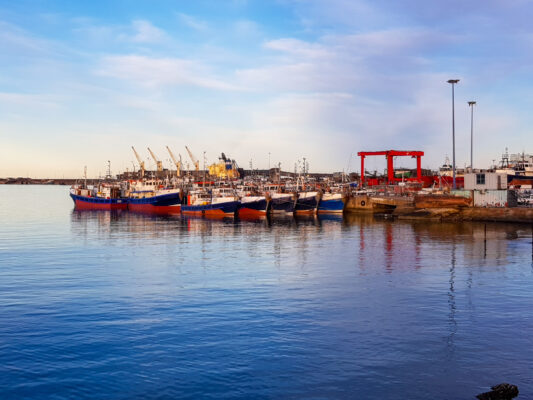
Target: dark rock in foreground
[{"x": 503, "y": 391}]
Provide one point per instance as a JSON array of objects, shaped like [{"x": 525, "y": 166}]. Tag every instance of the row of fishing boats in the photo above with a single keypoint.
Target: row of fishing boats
[{"x": 208, "y": 198}]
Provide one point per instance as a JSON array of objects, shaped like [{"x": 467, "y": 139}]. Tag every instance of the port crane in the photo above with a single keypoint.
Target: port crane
[
  {"x": 157, "y": 161},
  {"x": 193, "y": 159},
  {"x": 141, "y": 162},
  {"x": 178, "y": 163}
]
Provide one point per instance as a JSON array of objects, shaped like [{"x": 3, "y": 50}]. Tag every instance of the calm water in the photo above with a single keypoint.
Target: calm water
[{"x": 123, "y": 306}]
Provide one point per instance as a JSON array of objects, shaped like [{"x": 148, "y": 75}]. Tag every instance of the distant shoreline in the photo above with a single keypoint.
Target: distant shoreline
[{"x": 43, "y": 181}]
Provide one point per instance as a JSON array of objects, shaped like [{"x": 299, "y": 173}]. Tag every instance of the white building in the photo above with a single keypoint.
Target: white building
[
  {"x": 489, "y": 189},
  {"x": 485, "y": 181}
]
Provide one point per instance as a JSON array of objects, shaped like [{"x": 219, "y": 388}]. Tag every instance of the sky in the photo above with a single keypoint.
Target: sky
[{"x": 265, "y": 82}]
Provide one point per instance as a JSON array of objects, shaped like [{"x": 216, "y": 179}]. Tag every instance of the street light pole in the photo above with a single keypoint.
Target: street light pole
[
  {"x": 453, "y": 82},
  {"x": 471, "y": 104},
  {"x": 204, "y": 170}
]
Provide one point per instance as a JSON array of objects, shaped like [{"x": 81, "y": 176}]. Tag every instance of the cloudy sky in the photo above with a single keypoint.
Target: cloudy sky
[{"x": 81, "y": 82}]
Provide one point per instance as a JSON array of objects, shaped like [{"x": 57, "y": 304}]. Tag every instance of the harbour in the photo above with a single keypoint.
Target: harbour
[
  {"x": 233, "y": 200},
  {"x": 497, "y": 194},
  {"x": 302, "y": 306}
]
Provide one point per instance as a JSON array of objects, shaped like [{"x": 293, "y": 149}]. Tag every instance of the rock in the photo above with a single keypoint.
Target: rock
[{"x": 503, "y": 391}]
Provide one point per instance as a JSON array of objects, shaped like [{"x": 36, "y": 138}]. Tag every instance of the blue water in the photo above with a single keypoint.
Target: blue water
[{"x": 96, "y": 305}]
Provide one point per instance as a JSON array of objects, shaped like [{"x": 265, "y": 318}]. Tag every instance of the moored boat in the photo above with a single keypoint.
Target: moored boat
[
  {"x": 306, "y": 203},
  {"x": 366, "y": 203},
  {"x": 281, "y": 204},
  {"x": 331, "y": 203},
  {"x": 253, "y": 206},
  {"x": 165, "y": 202},
  {"x": 100, "y": 197},
  {"x": 202, "y": 202},
  {"x": 153, "y": 196}
]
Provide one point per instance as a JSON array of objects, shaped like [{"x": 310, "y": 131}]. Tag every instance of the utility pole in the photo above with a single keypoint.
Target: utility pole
[
  {"x": 471, "y": 104},
  {"x": 453, "y": 82},
  {"x": 204, "y": 169}
]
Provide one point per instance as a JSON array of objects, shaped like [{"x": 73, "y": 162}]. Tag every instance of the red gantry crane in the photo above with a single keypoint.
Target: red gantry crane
[{"x": 390, "y": 154}]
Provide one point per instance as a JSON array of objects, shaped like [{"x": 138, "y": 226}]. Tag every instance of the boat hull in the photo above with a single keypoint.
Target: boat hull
[
  {"x": 97, "y": 203},
  {"x": 253, "y": 207},
  {"x": 306, "y": 204},
  {"x": 282, "y": 205},
  {"x": 331, "y": 204},
  {"x": 226, "y": 209},
  {"x": 169, "y": 203}
]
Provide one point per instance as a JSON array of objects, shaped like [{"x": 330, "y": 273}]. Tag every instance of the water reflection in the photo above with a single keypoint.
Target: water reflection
[
  {"x": 452, "y": 305},
  {"x": 403, "y": 244},
  {"x": 310, "y": 307}
]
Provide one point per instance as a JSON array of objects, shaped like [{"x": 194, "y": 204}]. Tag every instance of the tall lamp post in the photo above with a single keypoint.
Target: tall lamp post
[
  {"x": 453, "y": 82},
  {"x": 471, "y": 104}
]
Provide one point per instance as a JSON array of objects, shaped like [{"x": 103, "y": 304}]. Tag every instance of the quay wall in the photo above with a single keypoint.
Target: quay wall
[
  {"x": 452, "y": 208},
  {"x": 489, "y": 214},
  {"x": 503, "y": 214}
]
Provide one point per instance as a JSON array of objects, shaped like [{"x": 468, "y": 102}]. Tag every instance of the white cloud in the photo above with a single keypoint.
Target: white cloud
[
  {"x": 146, "y": 32},
  {"x": 18, "y": 41},
  {"x": 246, "y": 28},
  {"x": 192, "y": 22},
  {"x": 28, "y": 100},
  {"x": 158, "y": 72},
  {"x": 373, "y": 64},
  {"x": 139, "y": 31},
  {"x": 298, "y": 47}
]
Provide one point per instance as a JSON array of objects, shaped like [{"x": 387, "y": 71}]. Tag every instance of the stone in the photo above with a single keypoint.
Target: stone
[{"x": 503, "y": 391}]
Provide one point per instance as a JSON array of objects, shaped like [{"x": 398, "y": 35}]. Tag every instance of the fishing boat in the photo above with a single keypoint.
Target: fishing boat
[
  {"x": 162, "y": 201},
  {"x": 154, "y": 196},
  {"x": 253, "y": 206},
  {"x": 206, "y": 202},
  {"x": 362, "y": 202},
  {"x": 280, "y": 203},
  {"x": 306, "y": 203},
  {"x": 104, "y": 196},
  {"x": 253, "y": 203},
  {"x": 331, "y": 203}
]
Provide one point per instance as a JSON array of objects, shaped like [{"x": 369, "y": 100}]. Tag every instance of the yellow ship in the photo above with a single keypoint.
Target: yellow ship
[{"x": 224, "y": 169}]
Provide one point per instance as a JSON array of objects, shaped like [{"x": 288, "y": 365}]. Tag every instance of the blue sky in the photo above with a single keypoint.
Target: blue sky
[{"x": 81, "y": 82}]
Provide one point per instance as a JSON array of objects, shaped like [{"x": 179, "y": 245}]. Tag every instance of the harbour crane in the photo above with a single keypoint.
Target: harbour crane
[
  {"x": 178, "y": 163},
  {"x": 193, "y": 159},
  {"x": 141, "y": 162},
  {"x": 157, "y": 161}
]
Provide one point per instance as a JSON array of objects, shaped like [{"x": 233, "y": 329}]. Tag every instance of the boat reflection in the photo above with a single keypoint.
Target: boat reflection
[{"x": 381, "y": 243}]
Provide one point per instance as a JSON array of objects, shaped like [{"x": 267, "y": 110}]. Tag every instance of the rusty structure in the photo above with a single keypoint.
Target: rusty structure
[{"x": 389, "y": 155}]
